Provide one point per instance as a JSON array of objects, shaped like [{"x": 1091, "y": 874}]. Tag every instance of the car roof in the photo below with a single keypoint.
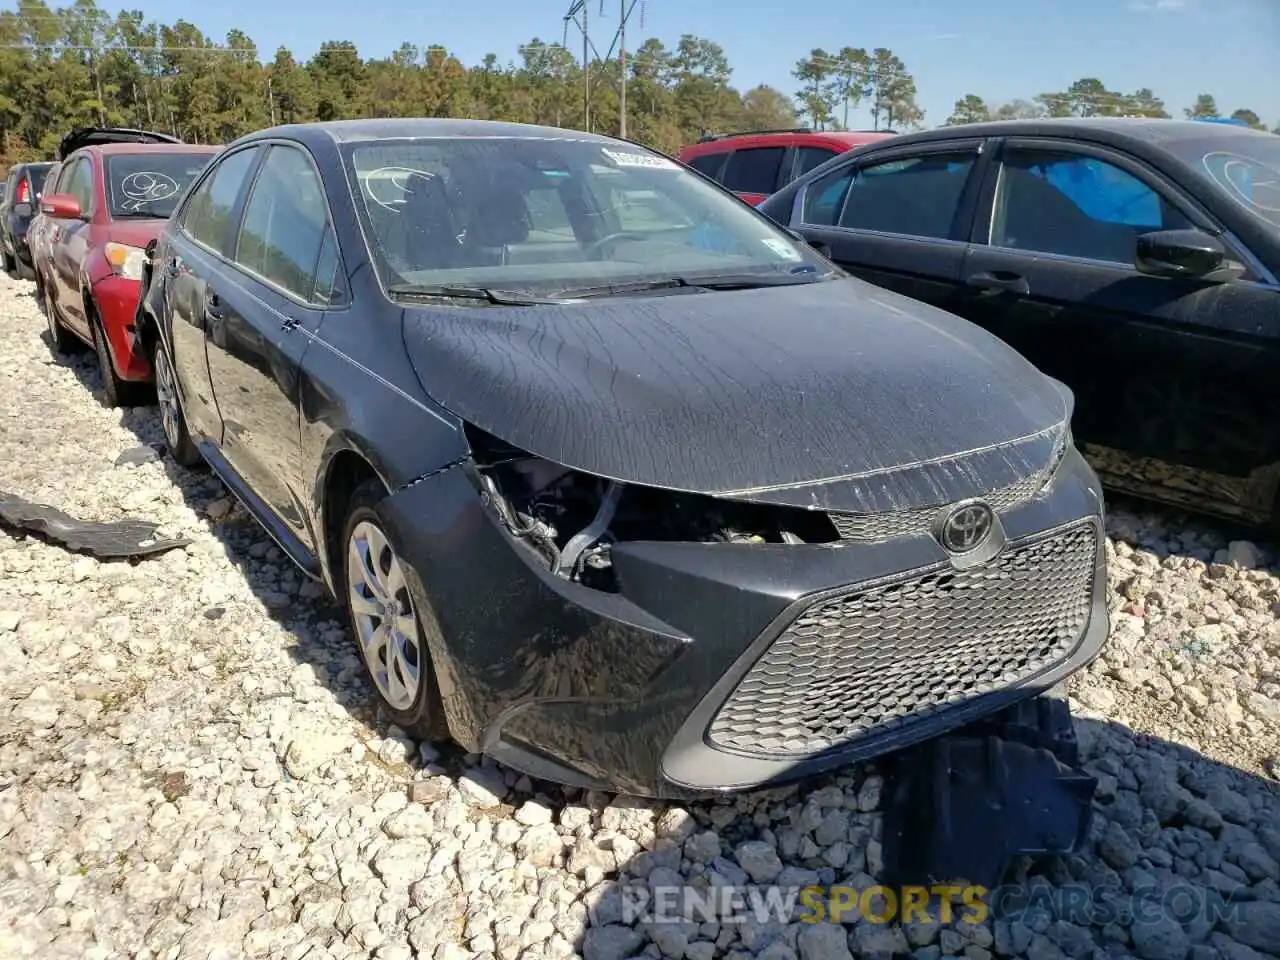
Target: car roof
[
  {"x": 1151, "y": 130},
  {"x": 846, "y": 139},
  {"x": 407, "y": 128}
]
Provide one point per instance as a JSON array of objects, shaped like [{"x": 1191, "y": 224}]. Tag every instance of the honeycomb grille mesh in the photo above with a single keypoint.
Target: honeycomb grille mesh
[
  {"x": 873, "y": 527},
  {"x": 866, "y": 663}
]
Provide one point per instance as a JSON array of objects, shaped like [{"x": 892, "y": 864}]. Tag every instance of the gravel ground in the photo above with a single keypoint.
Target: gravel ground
[{"x": 189, "y": 766}]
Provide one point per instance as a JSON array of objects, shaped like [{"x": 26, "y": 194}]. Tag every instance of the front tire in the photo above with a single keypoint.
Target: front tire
[
  {"x": 116, "y": 392},
  {"x": 385, "y": 623},
  {"x": 176, "y": 436}
]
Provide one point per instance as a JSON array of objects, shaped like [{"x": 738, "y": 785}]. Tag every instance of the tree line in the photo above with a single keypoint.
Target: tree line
[
  {"x": 1089, "y": 97},
  {"x": 83, "y": 66}
]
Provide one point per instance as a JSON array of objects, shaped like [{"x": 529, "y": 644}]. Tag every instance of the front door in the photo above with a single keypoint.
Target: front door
[
  {"x": 70, "y": 245},
  {"x": 1173, "y": 379}
]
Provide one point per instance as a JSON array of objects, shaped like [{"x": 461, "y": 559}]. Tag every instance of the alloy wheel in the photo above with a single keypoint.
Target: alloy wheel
[
  {"x": 383, "y": 615},
  {"x": 167, "y": 397}
]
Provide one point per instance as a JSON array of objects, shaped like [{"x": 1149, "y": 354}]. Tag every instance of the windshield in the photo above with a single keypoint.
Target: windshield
[
  {"x": 542, "y": 215},
  {"x": 1247, "y": 168},
  {"x": 150, "y": 184}
]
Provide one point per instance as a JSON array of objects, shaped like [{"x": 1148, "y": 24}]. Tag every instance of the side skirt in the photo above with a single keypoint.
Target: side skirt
[{"x": 293, "y": 548}]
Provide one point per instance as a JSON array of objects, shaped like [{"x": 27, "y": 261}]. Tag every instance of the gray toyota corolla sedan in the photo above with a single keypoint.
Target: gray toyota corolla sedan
[{"x": 619, "y": 482}]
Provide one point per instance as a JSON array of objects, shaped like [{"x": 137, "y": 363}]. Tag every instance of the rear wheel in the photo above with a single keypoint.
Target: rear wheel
[
  {"x": 116, "y": 392},
  {"x": 61, "y": 339},
  {"x": 176, "y": 437},
  {"x": 385, "y": 623}
]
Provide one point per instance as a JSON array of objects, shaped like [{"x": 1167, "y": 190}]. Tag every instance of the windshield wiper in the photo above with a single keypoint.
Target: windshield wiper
[
  {"x": 506, "y": 298},
  {"x": 727, "y": 281}
]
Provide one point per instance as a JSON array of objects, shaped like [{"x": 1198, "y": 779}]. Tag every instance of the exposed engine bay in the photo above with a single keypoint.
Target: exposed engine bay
[{"x": 572, "y": 519}]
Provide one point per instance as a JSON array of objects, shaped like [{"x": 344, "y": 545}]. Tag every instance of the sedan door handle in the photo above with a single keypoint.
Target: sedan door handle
[
  {"x": 999, "y": 281},
  {"x": 213, "y": 307}
]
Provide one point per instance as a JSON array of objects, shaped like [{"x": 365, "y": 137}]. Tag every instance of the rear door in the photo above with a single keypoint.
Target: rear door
[
  {"x": 198, "y": 252},
  {"x": 1172, "y": 370},
  {"x": 755, "y": 172},
  {"x": 899, "y": 218},
  {"x": 260, "y": 322}
]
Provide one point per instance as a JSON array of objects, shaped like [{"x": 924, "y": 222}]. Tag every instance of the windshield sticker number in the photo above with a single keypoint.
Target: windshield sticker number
[
  {"x": 395, "y": 182},
  {"x": 644, "y": 160},
  {"x": 144, "y": 187},
  {"x": 783, "y": 249},
  {"x": 1252, "y": 184}
]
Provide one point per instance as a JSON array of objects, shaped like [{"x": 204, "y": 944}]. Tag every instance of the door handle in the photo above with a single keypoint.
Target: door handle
[
  {"x": 213, "y": 307},
  {"x": 999, "y": 281}
]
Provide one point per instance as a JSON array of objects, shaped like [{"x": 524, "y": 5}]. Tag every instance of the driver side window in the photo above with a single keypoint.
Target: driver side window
[{"x": 1074, "y": 205}]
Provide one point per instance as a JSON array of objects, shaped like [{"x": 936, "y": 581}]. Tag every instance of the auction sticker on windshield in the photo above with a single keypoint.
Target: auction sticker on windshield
[
  {"x": 622, "y": 159},
  {"x": 783, "y": 249}
]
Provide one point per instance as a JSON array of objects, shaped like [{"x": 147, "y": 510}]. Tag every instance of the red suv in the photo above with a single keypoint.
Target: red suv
[
  {"x": 754, "y": 165},
  {"x": 111, "y": 199}
]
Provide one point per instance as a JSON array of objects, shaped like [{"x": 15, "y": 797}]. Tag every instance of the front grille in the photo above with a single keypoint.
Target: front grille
[
  {"x": 874, "y": 527},
  {"x": 876, "y": 659}
]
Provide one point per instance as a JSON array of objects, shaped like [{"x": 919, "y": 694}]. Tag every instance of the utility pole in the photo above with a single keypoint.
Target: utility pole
[
  {"x": 622, "y": 62},
  {"x": 586, "y": 73}
]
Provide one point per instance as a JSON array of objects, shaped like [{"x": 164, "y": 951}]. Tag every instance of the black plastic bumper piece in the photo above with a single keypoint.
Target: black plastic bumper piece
[
  {"x": 963, "y": 806},
  {"x": 115, "y": 540}
]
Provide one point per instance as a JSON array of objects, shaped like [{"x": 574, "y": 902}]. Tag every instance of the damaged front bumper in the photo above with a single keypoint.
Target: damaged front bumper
[{"x": 725, "y": 666}]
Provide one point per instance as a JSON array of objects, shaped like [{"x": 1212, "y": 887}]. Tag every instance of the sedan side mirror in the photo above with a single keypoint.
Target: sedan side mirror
[
  {"x": 1179, "y": 253},
  {"x": 64, "y": 206}
]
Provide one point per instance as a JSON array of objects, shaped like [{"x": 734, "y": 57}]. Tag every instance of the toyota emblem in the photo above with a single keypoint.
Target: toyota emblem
[{"x": 967, "y": 527}]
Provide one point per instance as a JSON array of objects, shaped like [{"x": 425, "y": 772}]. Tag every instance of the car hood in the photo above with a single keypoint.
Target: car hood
[{"x": 829, "y": 395}]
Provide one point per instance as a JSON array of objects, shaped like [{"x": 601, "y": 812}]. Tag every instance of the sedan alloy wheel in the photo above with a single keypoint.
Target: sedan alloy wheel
[{"x": 383, "y": 616}]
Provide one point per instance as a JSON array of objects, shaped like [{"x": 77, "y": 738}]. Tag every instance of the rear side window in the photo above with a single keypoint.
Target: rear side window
[
  {"x": 917, "y": 196},
  {"x": 284, "y": 223},
  {"x": 807, "y": 158},
  {"x": 754, "y": 170},
  {"x": 708, "y": 164},
  {"x": 207, "y": 216},
  {"x": 824, "y": 198}
]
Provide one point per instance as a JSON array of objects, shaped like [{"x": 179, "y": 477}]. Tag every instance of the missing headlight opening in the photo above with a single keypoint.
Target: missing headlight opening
[{"x": 572, "y": 519}]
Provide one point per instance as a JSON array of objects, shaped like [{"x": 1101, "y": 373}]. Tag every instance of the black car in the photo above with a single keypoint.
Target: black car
[
  {"x": 1136, "y": 260},
  {"x": 17, "y": 208},
  {"x": 619, "y": 482}
]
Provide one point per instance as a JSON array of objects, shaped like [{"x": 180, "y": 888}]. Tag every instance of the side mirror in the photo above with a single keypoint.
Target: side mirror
[
  {"x": 64, "y": 206},
  {"x": 1179, "y": 253}
]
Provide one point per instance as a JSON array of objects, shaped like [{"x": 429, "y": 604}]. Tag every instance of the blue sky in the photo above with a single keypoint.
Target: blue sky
[{"x": 998, "y": 49}]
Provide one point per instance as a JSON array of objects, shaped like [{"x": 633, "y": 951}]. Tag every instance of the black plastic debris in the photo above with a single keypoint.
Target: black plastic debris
[
  {"x": 116, "y": 540},
  {"x": 962, "y": 807},
  {"x": 139, "y": 455}
]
